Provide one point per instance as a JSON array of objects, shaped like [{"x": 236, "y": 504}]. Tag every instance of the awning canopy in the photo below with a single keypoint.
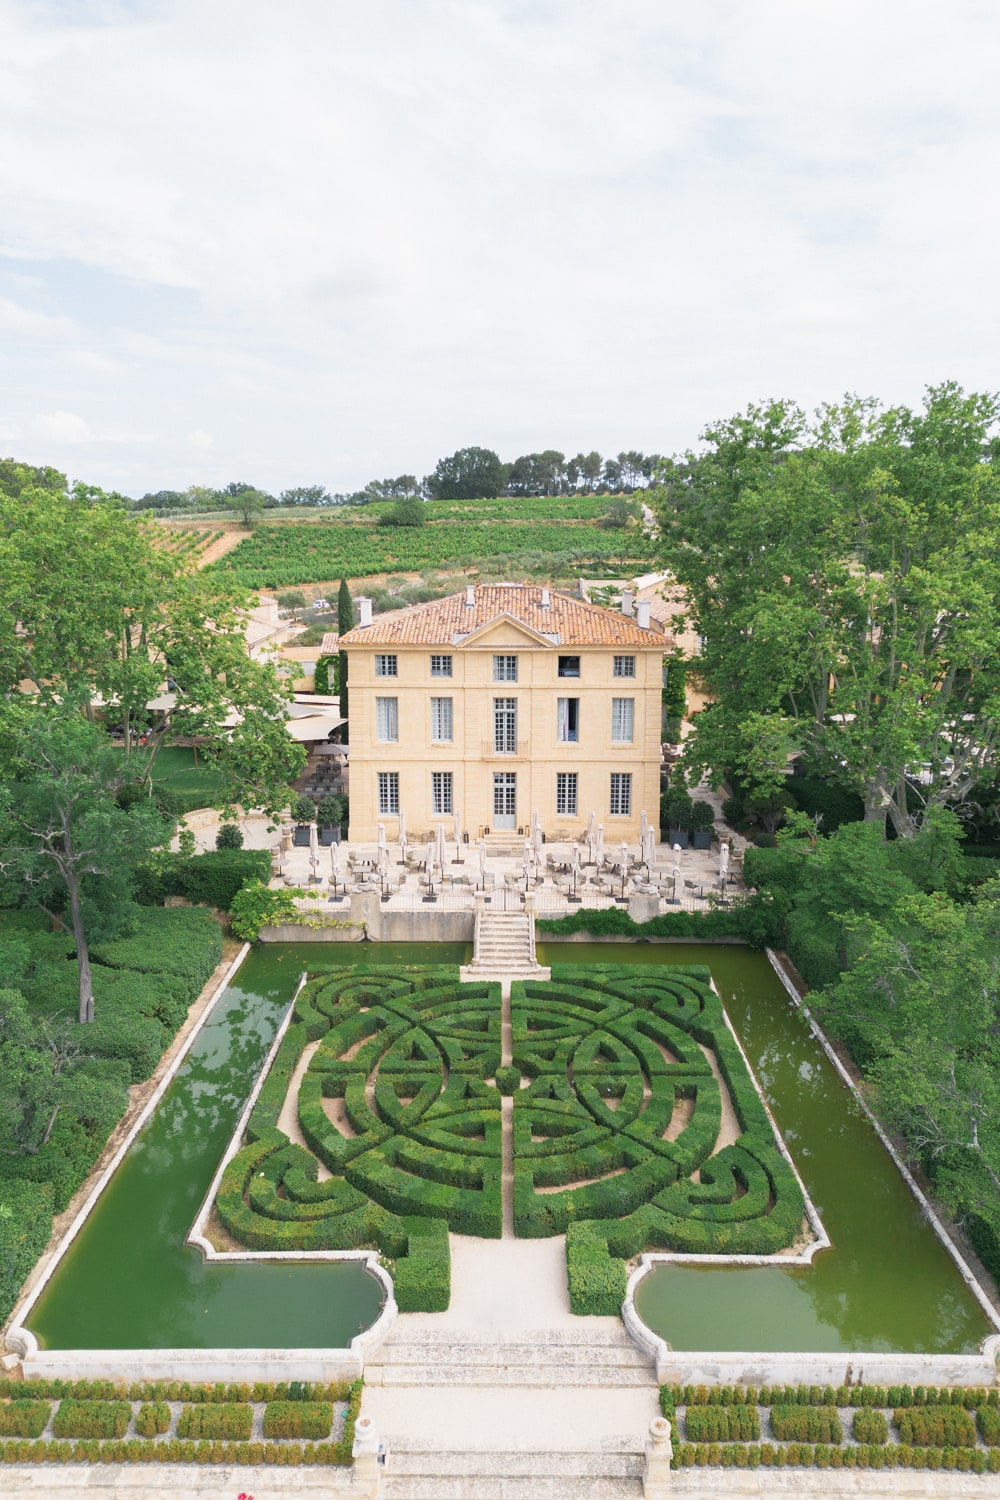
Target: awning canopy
[{"x": 315, "y": 728}]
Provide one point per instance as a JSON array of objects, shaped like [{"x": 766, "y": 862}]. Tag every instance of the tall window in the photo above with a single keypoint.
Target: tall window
[
  {"x": 624, "y": 666},
  {"x": 505, "y": 726},
  {"x": 441, "y": 721},
  {"x": 388, "y": 791},
  {"x": 440, "y": 666},
  {"x": 505, "y": 669},
  {"x": 567, "y": 720},
  {"x": 387, "y": 719},
  {"x": 565, "y": 792},
  {"x": 442, "y": 799},
  {"x": 622, "y": 720},
  {"x": 621, "y": 794},
  {"x": 386, "y": 666}
]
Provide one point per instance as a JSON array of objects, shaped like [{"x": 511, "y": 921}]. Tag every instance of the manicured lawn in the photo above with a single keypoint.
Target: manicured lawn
[{"x": 193, "y": 785}]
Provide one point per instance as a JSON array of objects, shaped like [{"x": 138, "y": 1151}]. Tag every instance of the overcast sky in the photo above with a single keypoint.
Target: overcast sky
[{"x": 323, "y": 241}]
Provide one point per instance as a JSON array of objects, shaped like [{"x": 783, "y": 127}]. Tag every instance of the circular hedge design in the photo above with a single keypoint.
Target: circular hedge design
[{"x": 614, "y": 1112}]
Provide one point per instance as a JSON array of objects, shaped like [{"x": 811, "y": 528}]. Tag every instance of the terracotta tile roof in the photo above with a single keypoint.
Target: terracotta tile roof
[
  {"x": 445, "y": 621},
  {"x": 328, "y": 644}
]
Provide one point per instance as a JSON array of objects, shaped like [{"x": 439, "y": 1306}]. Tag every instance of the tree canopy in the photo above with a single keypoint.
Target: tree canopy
[
  {"x": 92, "y": 605},
  {"x": 842, "y": 574}
]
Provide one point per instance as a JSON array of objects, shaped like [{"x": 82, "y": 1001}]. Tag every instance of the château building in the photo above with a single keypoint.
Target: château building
[{"x": 503, "y": 700}]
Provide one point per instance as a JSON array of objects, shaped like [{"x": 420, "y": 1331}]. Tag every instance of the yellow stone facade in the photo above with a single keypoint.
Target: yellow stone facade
[{"x": 504, "y": 721}]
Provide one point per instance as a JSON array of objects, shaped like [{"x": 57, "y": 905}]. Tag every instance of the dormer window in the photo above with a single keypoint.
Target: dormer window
[{"x": 569, "y": 666}]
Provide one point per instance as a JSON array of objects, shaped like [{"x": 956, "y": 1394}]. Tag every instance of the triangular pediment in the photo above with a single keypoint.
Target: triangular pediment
[{"x": 505, "y": 630}]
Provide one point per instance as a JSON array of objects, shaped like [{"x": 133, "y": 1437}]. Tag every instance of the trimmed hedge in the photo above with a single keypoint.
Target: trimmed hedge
[
  {"x": 223, "y": 1420},
  {"x": 24, "y": 1233},
  {"x": 869, "y": 1426},
  {"x": 209, "y": 879},
  {"x": 756, "y": 920},
  {"x": 24, "y": 1418},
  {"x": 298, "y": 1419},
  {"x": 806, "y": 1424},
  {"x": 722, "y": 1424},
  {"x": 91, "y": 1419},
  {"x": 938, "y": 1427},
  {"x": 152, "y": 1419},
  {"x": 413, "y": 1058}
]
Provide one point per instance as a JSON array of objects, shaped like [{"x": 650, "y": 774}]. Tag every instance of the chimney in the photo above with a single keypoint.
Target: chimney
[
  {"x": 470, "y": 597},
  {"x": 365, "y": 610},
  {"x": 545, "y": 598},
  {"x": 642, "y": 614},
  {"x": 627, "y": 598}
]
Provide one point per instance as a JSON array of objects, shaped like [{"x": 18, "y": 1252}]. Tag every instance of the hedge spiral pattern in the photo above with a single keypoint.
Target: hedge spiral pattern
[{"x": 615, "y": 1114}]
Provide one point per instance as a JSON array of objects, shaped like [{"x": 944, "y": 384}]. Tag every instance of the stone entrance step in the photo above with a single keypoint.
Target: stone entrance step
[{"x": 506, "y": 1475}]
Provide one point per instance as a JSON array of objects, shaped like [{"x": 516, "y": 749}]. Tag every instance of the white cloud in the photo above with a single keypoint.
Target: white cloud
[
  {"x": 61, "y": 427},
  {"x": 346, "y": 239},
  {"x": 199, "y": 440}
]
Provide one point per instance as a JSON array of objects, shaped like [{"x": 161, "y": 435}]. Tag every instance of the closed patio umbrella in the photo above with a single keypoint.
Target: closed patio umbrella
[
  {"x": 643, "y": 825},
  {"x": 482, "y": 859},
  {"x": 314, "y": 849},
  {"x": 536, "y": 841},
  {"x": 381, "y": 837},
  {"x": 440, "y": 846},
  {"x": 458, "y": 826},
  {"x": 723, "y": 862},
  {"x": 599, "y": 846},
  {"x": 402, "y": 826},
  {"x": 649, "y": 848},
  {"x": 591, "y": 820}
]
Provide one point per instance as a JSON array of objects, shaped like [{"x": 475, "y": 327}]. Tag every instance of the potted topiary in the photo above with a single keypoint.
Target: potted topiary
[
  {"x": 229, "y": 837},
  {"x": 330, "y": 817},
  {"x": 304, "y": 813},
  {"x": 702, "y": 824},
  {"x": 679, "y": 817}
]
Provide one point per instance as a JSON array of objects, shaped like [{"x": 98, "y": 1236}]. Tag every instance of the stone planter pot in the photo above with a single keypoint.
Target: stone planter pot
[
  {"x": 300, "y": 836},
  {"x": 328, "y": 836},
  {"x": 702, "y": 838},
  {"x": 678, "y": 836}
]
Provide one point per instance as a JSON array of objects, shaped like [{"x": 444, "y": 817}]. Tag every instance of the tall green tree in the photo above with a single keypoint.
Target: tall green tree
[
  {"x": 469, "y": 474},
  {"x": 66, "y": 843},
  {"x": 843, "y": 575},
  {"x": 92, "y": 603}
]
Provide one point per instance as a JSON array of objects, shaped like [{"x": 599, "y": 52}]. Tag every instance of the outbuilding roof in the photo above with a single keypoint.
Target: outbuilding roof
[{"x": 447, "y": 622}]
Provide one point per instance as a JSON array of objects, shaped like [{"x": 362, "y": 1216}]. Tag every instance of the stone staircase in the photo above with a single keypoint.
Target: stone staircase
[
  {"x": 554, "y": 1359},
  {"x": 504, "y": 946},
  {"x": 554, "y": 1415}
]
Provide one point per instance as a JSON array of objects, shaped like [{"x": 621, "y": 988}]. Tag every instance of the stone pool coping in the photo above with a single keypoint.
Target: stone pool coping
[
  {"x": 733, "y": 1367},
  {"x": 191, "y": 1364}
]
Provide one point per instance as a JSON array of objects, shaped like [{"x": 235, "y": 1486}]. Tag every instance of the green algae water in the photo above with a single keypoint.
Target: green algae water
[
  {"x": 128, "y": 1280},
  {"x": 887, "y": 1284}
]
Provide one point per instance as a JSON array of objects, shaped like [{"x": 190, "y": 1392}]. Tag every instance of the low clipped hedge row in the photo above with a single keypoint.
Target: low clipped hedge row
[
  {"x": 212, "y": 1430},
  {"x": 970, "y": 1397},
  {"x": 832, "y": 1456},
  {"x": 753, "y": 919},
  {"x": 176, "y": 1451},
  {"x": 936, "y": 1430},
  {"x": 176, "y": 1390}
]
